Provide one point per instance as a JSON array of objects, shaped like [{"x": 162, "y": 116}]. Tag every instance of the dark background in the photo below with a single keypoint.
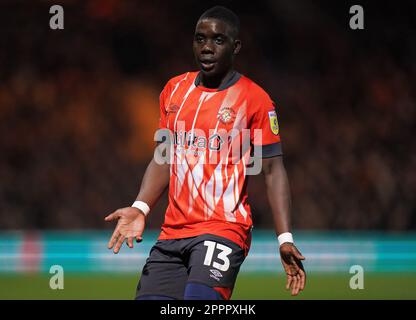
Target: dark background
[{"x": 79, "y": 106}]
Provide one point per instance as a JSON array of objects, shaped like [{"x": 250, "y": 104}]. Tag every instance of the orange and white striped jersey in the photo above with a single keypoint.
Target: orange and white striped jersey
[{"x": 212, "y": 133}]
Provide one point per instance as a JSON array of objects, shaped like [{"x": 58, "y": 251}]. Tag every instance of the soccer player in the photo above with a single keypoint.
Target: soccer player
[{"x": 206, "y": 233}]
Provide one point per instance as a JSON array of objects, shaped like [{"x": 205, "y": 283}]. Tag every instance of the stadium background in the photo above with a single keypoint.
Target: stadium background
[{"x": 79, "y": 106}]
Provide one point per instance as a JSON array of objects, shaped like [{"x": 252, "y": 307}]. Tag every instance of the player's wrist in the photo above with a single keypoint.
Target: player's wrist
[
  {"x": 142, "y": 206},
  {"x": 285, "y": 237}
]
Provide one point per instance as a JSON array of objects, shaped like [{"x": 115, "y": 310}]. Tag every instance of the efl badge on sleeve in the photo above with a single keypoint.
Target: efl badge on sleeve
[{"x": 274, "y": 125}]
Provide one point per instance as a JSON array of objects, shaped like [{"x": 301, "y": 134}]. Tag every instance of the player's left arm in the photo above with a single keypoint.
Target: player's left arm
[
  {"x": 265, "y": 134},
  {"x": 278, "y": 193}
]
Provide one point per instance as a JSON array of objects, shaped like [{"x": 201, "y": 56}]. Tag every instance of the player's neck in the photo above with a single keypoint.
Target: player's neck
[{"x": 216, "y": 82}]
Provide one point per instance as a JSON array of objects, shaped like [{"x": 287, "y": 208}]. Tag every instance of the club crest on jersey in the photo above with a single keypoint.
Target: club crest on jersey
[
  {"x": 226, "y": 115},
  {"x": 274, "y": 125}
]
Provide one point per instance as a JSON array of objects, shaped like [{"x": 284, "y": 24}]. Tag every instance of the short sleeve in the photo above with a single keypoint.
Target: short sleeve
[
  {"x": 264, "y": 129},
  {"x": 163, "y": 132},
  {"x": 163, "y": 111}
]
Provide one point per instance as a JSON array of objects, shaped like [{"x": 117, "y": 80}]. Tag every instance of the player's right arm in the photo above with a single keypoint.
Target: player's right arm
[{"x": 131, "y": 220}]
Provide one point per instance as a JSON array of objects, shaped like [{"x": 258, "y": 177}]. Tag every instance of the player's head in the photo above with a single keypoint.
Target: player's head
[{"x": 216, "y": 41}]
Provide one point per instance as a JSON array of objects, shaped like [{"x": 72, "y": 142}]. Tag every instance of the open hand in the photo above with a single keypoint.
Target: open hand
[
  {"x": 292, "y": 263},
  {"x": 130, "y": 225}
]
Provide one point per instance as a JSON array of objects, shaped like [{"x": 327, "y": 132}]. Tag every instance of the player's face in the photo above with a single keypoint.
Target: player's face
[{"x": 214, "y": 47}]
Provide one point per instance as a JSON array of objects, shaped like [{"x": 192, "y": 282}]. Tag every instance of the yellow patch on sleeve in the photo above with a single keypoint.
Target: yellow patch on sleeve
[{"x": 274, "y": 124}]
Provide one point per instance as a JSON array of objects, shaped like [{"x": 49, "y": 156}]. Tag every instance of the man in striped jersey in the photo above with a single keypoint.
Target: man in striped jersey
[{"x": 211, "y": 120}]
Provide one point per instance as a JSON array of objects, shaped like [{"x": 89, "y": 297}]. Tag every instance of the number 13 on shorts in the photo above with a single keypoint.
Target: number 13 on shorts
[{"x": 222, "y": 255}]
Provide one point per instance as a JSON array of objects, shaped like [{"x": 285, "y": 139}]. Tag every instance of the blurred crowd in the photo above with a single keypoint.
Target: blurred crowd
[{"x": 79, "y": 107}]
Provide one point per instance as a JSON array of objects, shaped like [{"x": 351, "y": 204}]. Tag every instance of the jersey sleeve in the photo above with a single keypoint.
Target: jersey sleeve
[
  {"x": 264, "y": 129},
  {"x": 163, "y": 130},
  {"x": 163, "y": 111}
]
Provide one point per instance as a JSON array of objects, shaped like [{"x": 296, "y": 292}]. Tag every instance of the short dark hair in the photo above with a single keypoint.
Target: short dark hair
[{"x": 223, "y": 14}]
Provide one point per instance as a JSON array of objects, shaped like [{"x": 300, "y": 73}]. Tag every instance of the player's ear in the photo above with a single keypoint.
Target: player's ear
[{"x": 237, "y": 46}]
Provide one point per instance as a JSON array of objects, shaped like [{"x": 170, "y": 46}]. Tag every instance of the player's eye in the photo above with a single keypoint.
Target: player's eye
[
  {"x": 199, "y": 39},
  {"x": 219, "y": 40}
]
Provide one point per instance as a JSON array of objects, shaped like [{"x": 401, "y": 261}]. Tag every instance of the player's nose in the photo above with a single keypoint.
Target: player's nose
[{"x": 207, "y": 48}]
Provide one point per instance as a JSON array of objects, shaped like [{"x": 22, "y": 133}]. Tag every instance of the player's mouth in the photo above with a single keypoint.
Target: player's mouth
[{"x": 207, "y": 65}]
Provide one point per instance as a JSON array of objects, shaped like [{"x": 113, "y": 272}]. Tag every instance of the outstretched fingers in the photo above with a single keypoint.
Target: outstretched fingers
[
  {"x": 119, "y": 243},
  {"x": 130, "y": 242},
  {"x": 298, "y": 276},
  {"x": 139, "y": 237},
  {"x": 299, "y": 287},
  {"x": 294, "y": 285},
  {"x": 297, "y": 264},
  {"x": 289, "y": 281},
  {"x": 302, "y": 275},
  {"x": 113, "y": 238}
]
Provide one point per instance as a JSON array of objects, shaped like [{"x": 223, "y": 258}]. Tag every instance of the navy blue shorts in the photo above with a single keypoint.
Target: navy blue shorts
[{"x": 206, "y": 259}]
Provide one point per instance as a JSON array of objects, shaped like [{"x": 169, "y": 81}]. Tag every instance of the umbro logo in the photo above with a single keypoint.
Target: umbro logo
[
  {"x": 173, "y": 108},
  {"x": 215, "y": 274}
]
